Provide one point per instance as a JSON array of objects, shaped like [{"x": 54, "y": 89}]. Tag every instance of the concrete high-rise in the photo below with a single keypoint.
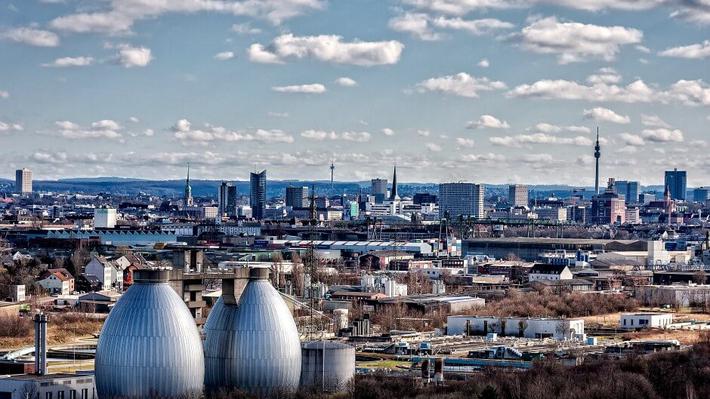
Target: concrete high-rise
[
  {"x": 701, "y": 194},
  {"x": 23, "y": 181},
  {"x": 608, "y": 207},
  {"x": 257, "y": 195},
  {"x": 379, "y": 189},
  {"x": 461, "y": 199},
  {"x": 297, "y": 197},
  {"x": 518, "y": 195},
  {"x": 227, "y": 199},
  {"x": 677, "y": 183}
]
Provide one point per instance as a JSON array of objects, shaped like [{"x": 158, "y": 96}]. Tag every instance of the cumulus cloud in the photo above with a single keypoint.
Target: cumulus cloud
[
  {"x": 320, "y": 135},
  {"x": 433, "y": 147},
  {"x": 327, "y": 48},
  {"x": 4, "y": 94},
  {"x": 539, "y": 138},
  {"x": 488, "y": 157},
  {"x": 484, "y": 63},
  {"x": 465, "y": 142},
  {"x": 633, "y": 140},
  {"x": 131, "y": 57},
  {"x": 604, "y": 76},
  {"x": 10, "y": 127},
  {"x": 692, "y": 51},
  {"x": 31, "y": 36},
  {"x": 654, "y": 121},
  {"x": 544, "y": 127},
  {"x": 313, "y": 88},
  {"x": 601, "y": 114},
  {"x": 422, "y": 26},
  {"x": 185, "y": 132},
  {"x": 488, "y": 121},
  {"x": 462, "y": 7},
  {"x": 574, "y": 41},
  {"x": 416, "y": 24},
  {"x": 688, "y": 92},
  {"x": 662, "y": 135},
  {"x": 245, "y": 29},
  {"x": 103, "y": 129},
  {"x": 345, "y": 82},
  {"x": 461, "y": 84},
  {"x": 423, "y": 132},
  {"x": 224, "y": 56},
  {"x": 388, "y": 132},
  {"x": 118, "y": 17},
  {"x": 65, "y": 62}
]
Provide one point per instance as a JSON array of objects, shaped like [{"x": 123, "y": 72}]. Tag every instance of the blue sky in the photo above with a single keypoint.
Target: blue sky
[{"x": 493, "y": 91}]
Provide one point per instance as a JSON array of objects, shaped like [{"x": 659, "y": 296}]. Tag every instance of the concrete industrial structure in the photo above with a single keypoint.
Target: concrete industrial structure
[
  {"x": 559, "y": 329},
  {"x": 149, "y": 345},
  {"x": 645, "y": 320},
  {"x": 461, "y": 199},
  {"x": 105, "y": 218},
  {"x": 23, "y": 181},
  {"x": 327, "y": 365}
]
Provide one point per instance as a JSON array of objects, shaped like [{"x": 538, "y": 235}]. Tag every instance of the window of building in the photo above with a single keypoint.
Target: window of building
[
  {"x": 48, "y": 395},
  {"x": 72, "y": 394}
]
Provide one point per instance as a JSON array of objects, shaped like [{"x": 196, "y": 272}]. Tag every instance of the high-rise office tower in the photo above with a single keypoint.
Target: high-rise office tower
[
  {"x": 701, "y": 194},
  {"x": 677, "y": 183},
  {"x": 518, "y": 195},
  {"x": 257, "y": 195},
  {"x": 187, "y": 196},
  {"x": 379, "y": 189},
  {"x": 609, "y": 207},
  {"x": 227, "y": 199},
  {"x": 23, "y": 181},
  {"x": 297, "y": 197},
  {"x": 461, "y": 199},
  {"x": 629, "y": 190}
]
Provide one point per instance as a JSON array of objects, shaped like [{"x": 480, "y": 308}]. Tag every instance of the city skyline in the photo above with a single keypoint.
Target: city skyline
[{"x": 140, "y": 88}]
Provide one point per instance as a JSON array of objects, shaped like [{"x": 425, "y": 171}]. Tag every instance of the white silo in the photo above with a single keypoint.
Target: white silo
[{"x": 149, "y": 345}]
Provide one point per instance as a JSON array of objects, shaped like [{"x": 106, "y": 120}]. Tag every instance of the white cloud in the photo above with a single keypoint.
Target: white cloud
[
  {"x": 689, "y": 92},
  {"x": 327, "y": 48},
  {"x": 184, "y": 132},
  {"x": 633, "y": 140},
  {"x": 462, "y": 7},
  {"x": 70, "y": 62},
  {"x": 488, "y": 121},
  {"x": 489, "y": 157},
  {"x": 423, "y": 133},
  {"x": 278, "y": 114},
  {"x": 388, "y": 132},
  {"x": 465, "y": 142},
  {"x": 31, "y": 36},
  {"x": 245, "y": 29},
  {"x": 604, "y": 76},
  {"x": 422, "y": 25},
  {"x": 360, "y": 137},
  {"x": 4, "y": 94},
  {"x": 635, "y": 92},
  {"x": 224, "y": 56},
  {"x": 545, "y": 127},
  {"x": 149, "y": 132},
  {"x": 662, "y": 135},
  {"x": 10, "y": 127},
  {"x": 345, "y": 81},
  {"x": 119, "y": 16},
  {"x": 602, "y": 114},
  {"x": 134, "y": 119},
  {"x": 692, "y": 51},
  {"x": 314, "y": 88},
  {"x": 461, "y": 84},
  {"x": 433, "y": 147},
  {"x": 484, "y": 63},
  {"x": 130, "y": 56},
  {"x": 574, "y": 41},
  {"x": 539, "y": 138},
  {"x": 103, "y": 129},
  {"x": 654, "y": 121},
  {"x": 642, "y": 49}
]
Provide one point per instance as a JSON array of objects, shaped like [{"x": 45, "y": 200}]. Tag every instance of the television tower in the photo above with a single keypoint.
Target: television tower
[
  {"x": 597, "y": 154},
  {"x": 332, "y": 169}
]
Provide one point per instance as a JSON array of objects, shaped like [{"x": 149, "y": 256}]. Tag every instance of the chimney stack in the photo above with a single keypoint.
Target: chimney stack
[{"x": 41, "y": 343}]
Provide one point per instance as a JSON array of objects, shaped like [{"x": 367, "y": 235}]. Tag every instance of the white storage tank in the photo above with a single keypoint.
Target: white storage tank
[
  {"x": 327, "y": 365},
  {"x": 149, "y": 345},
  {"x": 219, "y": 341}
]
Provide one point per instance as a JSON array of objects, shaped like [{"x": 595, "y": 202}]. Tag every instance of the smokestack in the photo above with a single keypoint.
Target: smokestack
[{"x": 41, "y": 343}]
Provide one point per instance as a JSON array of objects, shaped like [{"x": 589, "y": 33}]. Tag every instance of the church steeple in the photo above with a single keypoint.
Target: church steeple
[
  {"x": 393, "y": 193},
  {"x": 188, "y": 190}
]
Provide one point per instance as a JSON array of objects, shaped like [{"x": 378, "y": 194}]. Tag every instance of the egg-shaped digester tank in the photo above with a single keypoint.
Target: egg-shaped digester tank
[
  {"x": 219, "y": 341},
  {"x": 149, "y": 345},
  {"x": 263, "y": 352}
]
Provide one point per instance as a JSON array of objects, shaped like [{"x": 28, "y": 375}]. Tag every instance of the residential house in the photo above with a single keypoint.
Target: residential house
[
  {"x": 57, "y": 281},
  {"x": 104, "y": 270},
  {"x": 548, "y": 272}
]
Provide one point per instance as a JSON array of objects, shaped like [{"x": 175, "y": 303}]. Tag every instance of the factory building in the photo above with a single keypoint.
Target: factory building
[
  {"x": 645, "y": 320},
  {"x": 559, "y": 329}
]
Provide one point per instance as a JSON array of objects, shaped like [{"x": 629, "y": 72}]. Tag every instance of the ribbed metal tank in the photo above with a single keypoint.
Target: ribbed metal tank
[
  {"x": 257, "y": 345},
  {"x": 327, "y": 365},
  {"x": 149, "y": 345}
]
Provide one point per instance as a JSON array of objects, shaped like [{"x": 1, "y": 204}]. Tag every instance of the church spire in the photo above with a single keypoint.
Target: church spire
[{"x": 393, "y": 193}]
